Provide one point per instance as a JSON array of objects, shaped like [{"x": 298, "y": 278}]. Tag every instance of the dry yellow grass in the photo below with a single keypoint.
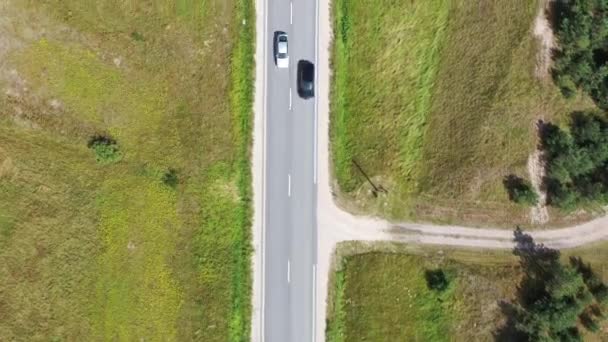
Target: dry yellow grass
[
  {"x": 437, "y": 101},
  {"x": 103, "y": 252}
]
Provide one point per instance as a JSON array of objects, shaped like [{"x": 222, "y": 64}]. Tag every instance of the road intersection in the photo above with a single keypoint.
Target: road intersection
[{"x": 296, "y": 222}]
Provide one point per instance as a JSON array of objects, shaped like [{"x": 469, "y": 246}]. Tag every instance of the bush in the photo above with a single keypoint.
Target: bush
[
  {"x": 106, "y": 149},
  {"x": 170, "y": 178},
  {"x": 520, "y": 191},
  {"x": 436, "y": 280}
]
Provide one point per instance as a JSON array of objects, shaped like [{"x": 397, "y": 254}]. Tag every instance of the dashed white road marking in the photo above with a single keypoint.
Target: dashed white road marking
[{"x": 314, "y": 301}]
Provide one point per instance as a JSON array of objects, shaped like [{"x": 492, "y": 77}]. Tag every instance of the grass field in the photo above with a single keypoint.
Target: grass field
[
  {"x": 113, "y": 252},
  {"x": 437, "y": 102},
  {"x": 382, "y": 293}
]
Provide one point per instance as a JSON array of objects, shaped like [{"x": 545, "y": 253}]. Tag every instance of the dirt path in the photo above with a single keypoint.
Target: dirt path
[{"x": 544, "y": 34}]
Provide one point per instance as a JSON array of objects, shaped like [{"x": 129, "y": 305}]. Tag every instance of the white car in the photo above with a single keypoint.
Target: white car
[{"x": 281, "y": 55}]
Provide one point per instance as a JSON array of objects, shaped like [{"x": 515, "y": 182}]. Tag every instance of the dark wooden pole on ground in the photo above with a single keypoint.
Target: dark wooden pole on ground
[{"x": 376, "y": 188}]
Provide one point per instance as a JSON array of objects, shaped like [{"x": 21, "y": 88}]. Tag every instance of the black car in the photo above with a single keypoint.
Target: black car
[{"x": 306, "y": 79}]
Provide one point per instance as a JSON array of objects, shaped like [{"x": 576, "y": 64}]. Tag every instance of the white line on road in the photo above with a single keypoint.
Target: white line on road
[
  {"x": 263, "y": 185},
  {"x": 314, "y": 301},
  {"x": 291, "y": 13},
  {"x": 315, "y": 147},
  {"x": 315, "y": 136},
  {"x": 289, "y": 185},
  {"x": 289, "y": 98},
  {"x": 288, "y": 271}
]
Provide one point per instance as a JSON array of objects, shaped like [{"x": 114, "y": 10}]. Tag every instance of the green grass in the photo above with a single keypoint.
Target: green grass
[
  {"x": 385, "y": 82},
  {"x": 380, "y": 292},
  {"x": 131, "y": 107},
  {"x": 241, "y": 104},
  {"x": 110, "y": 252},
  {"x": 136, "y": 290},
  {"x": 384, "y": 296},
  {"x": 336, "y": 328},
  {"x": 437, "y": 101}
]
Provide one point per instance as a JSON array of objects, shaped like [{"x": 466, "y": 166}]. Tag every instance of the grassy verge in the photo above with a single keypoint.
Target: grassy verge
[
  {"x": 373, "y": 86},
  {"x": 336, "y": 328},
  {"x": 242, "y": 102},
  {"x": 437, "y": 102},
  {"x": 382, "y": 291},
  {"x": 137, "y": 294},
  {"x": 104, "y": 252}
]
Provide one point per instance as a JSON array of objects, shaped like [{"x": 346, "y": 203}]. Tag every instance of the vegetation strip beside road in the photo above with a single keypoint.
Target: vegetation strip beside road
[{"x": 242, "y": 105}]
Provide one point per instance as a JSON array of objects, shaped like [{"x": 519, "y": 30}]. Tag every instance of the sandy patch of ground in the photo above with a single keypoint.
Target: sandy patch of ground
[
  {"x": 536, "y": 168},
  {"x": 536, "y": 164},
  {"x": 546, "y": 39}
]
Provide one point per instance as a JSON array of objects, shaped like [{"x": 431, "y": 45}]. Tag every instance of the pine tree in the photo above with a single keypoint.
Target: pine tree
[{"x": 555, "y": 297}]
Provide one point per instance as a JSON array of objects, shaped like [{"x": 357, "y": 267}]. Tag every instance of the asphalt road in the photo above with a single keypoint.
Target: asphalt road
[{"x": 290, "y": 180}]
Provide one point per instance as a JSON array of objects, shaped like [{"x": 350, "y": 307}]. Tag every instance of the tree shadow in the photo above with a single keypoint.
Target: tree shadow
[
  {"x": 553, "y": 10},
  {"x": 547, "y": 131},
  {"x": 537, "y": 262},
  {"x": 100, "y": 139}
]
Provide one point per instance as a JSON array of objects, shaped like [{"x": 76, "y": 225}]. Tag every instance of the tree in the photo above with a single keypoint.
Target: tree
[
  {"x": 582, "y": 32},
  {"x": 554, "y": 297},
  {"x": 576, "y": 161}
]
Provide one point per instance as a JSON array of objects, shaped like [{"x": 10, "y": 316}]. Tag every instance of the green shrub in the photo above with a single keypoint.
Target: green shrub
[
  {"x": 436, "y": 280},
  {"x": 520, "y": 191},
  {"x": 137, "y": 36},
  {"x": 170, "y": 178},
  {"x": 525, "y": 196},
  {"x": 106, "y": 150}
]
